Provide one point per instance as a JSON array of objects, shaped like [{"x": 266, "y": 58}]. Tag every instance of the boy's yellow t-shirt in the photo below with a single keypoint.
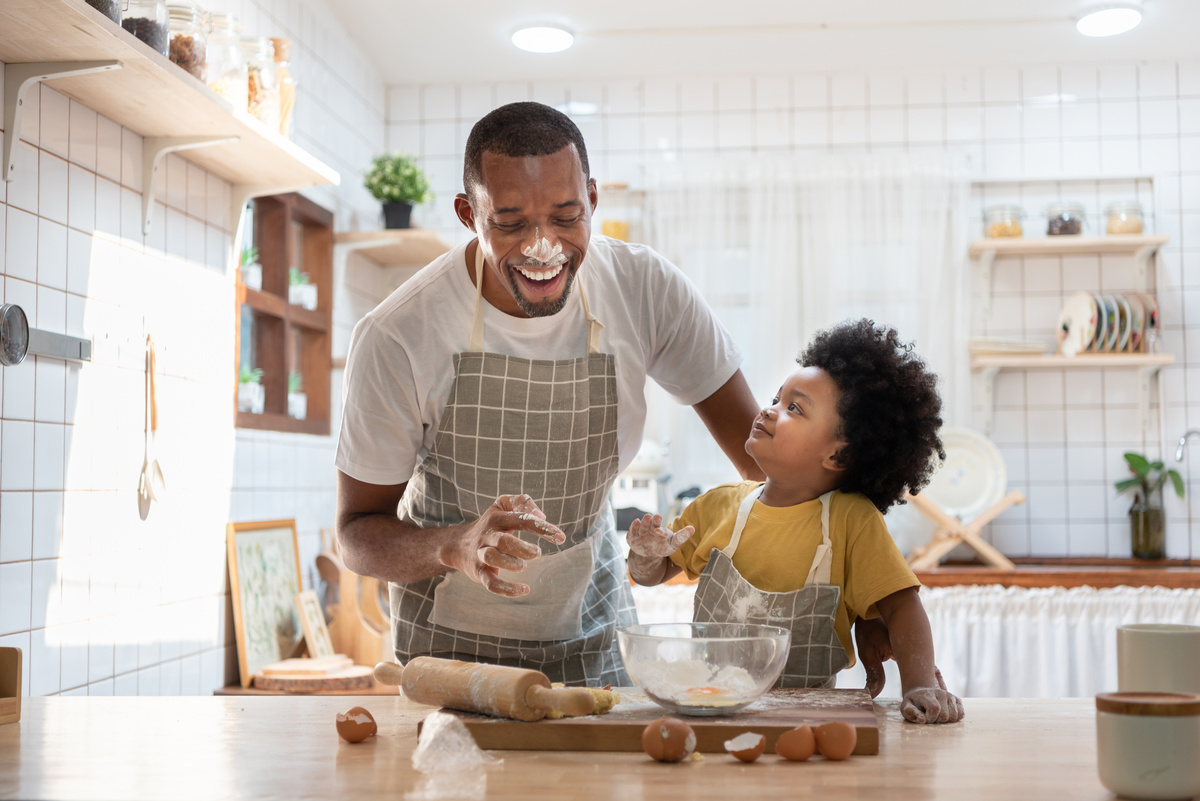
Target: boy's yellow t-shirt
[{"x": 778, "y": 545}]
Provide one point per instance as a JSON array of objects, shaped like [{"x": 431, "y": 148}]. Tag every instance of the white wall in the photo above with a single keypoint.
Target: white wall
[
  {"x": 1062, "y": 434},
  {"x": 101, "y": 602}
]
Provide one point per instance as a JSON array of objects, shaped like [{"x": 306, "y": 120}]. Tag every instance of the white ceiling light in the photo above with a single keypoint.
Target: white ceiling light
[
  {"x": 543, "y": 40},
  {"x": 1109, "y": 19}
]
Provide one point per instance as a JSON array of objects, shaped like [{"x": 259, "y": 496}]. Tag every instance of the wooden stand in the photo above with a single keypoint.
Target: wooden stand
[
  {"x": 951, "y": 532},
  {"x": 10, "y": 685},
  {"x": 360, "y": 627}
]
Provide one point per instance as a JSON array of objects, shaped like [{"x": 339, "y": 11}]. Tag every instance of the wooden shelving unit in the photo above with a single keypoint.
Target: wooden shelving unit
[{"x": 150, "y": 95}]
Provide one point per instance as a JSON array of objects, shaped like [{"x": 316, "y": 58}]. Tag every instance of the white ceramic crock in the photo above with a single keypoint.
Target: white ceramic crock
[{"x": 1148, "y": 744}]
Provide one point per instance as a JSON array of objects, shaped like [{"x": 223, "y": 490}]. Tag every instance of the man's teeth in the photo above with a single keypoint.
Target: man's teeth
[{"x": 542, "y": 275}]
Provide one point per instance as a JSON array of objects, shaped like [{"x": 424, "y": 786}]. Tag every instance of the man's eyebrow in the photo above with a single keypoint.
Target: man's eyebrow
[{"x": 517, "y": 209}]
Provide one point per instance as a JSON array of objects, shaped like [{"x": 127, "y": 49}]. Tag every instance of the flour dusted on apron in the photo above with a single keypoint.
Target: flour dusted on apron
[
  {"x": 546, "y": 428},
  {"x": 723, "y": 595}
]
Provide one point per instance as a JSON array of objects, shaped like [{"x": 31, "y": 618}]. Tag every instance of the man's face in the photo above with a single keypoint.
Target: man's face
[{"x": 533, "y": 216}]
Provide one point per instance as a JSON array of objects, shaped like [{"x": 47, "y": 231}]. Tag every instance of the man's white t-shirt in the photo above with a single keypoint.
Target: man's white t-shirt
[{"x": 399, "y": 369}]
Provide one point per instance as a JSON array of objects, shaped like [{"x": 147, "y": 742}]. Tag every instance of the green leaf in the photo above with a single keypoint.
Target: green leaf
[
  {"x": 1177, "y": 481},
  {"x": 1128, "y": 484},
  {"x": 1157, "y": 465},
  {"x": 1138, "y": 464}
]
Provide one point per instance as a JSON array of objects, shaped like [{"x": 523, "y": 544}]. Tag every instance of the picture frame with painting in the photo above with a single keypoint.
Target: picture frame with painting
[
  {"x": 264, "y": 578},
  {"x": 312, "y": 622}
]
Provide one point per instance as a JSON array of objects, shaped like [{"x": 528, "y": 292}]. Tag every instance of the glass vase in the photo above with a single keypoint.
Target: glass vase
[{"x": 1146, "y": 530}]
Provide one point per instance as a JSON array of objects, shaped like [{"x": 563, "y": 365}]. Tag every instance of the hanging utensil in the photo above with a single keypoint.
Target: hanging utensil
[{"x": 151, "y": 485}]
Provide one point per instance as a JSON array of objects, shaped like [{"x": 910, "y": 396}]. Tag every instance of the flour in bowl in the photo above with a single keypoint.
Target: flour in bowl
[{"x": 691, "y": 681}]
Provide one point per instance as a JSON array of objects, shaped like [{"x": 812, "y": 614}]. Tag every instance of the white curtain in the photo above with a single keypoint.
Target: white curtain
[
  {"x": 784, "y": 248},
  {"x": 994, "y": 642}
]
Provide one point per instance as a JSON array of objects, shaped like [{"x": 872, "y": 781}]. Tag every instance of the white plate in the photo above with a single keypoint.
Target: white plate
[
  {"x": 1077, "y": 323},
  {"x": 1101, "y": 339},
  {"x": 972, "y": 478}
]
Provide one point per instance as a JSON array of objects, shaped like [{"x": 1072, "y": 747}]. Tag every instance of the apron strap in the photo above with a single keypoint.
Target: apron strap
[
  {"x": 823, "y": 559},
  {"x": 743, "y": 513},
  {"x": 476, "y": 344}
]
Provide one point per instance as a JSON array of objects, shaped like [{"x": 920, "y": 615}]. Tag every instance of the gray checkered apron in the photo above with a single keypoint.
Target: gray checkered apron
[
  {"x": 546, "y": 428},
  {"x": 722, "y": 595}
]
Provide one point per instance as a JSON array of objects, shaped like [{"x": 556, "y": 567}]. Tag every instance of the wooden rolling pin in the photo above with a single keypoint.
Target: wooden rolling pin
[{"x": 496, "y": 690}]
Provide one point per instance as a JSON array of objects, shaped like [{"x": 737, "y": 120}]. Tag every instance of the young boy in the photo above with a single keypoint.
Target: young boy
[{"x": 808, "y": 550}]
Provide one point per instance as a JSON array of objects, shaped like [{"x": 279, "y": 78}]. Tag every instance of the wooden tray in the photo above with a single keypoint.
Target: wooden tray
[
  {"x": 357, "y": 677},
  {"x": 621, "y": 729}
]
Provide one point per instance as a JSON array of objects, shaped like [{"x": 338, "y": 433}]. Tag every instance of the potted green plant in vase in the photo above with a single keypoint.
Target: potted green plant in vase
[
  {"x": 396, "y": 181},
  {"x": 301, "y": 292},
  {"x": 297, "y": 400},
  {"x": 251, "y": 269},
  {"x": 250, "y": 395},
  {"x": 1146, "y": 515}
]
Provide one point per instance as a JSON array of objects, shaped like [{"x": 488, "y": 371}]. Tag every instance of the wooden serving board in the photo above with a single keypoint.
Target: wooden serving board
[
  {"x": 358, "y": 677},
  {"x": 621, "y": 729}
]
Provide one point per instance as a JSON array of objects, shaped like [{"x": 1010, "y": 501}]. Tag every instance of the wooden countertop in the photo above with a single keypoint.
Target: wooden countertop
[
  {"x": 286, "y": 747},
  {"x": 1070, "y": 572}
]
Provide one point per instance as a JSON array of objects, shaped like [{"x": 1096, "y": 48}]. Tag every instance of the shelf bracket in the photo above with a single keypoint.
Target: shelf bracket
[
  {"x": 17, "y": 80},
  {"x": 153, "y": 149},
  {"x": 985, "y": 279},
  {"x": 989, "y": 397},
  {"x": 1141, "y": 264},
  {"x": 1144, "y": 374}
]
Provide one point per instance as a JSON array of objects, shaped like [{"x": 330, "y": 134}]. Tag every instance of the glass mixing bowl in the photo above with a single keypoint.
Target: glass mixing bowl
[{"x": 703, "y": 668}]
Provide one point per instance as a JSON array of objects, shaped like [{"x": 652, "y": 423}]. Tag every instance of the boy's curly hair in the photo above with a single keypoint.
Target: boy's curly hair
[{"x": 889, "y": 407}]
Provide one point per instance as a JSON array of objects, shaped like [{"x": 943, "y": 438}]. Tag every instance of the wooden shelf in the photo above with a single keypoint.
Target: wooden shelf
[
  {"x": 1062, "y": 245},
  {"x": 1071, "y": 572},
  {"x": 263, "y": 302},
  {"x": 393, "y": 247},
  {"x": 282, "y": 422},
  {"x": 152, "y": 96}
]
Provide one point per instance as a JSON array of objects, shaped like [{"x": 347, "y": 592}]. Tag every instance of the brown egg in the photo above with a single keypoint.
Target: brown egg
[
  {"x": 355, "y": 724},
  {"x": 747, "y": 747},
  {"x": 668, "y": 740},
  {"x": 796, "y": 745},
  {"x": 836, "y": 740}
]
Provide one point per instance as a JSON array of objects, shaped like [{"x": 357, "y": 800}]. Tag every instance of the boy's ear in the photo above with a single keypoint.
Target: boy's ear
[{"x": 832, "y": 461}]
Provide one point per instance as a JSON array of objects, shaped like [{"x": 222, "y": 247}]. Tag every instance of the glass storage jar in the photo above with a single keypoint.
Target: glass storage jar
[
  {"x": 1003, "y": 221},
  {"x": 1124, "y": 217},
  {"x": 226, "y": 66},
  {"x": 1065, "y": 218},
  {"x": 189, "y": 36},
  {"x": 147, "y": 20},
  {"x": 261, "y": 88},
  {"x": 287, "y": 84},
  {"x": 109, "y": 8}
]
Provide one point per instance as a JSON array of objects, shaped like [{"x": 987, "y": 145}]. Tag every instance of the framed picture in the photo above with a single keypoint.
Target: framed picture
[
  {"x": 312, "y": 623},
  {"x": 264, "y": 577}
]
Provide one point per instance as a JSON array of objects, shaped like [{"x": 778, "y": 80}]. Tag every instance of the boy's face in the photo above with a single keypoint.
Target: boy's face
[{"x": 795, "y": 438}]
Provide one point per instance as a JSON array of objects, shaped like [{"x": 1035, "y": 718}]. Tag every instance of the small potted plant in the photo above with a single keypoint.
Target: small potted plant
[
  {"x": 396, "y": 181},
  {"x": 300, "y": 291},
  {"x": 1146, "y": 514},
  {"x": 251, "y": 269},
  {"x": 297, "y": 400},
  {"x": 250, "y": 396}
]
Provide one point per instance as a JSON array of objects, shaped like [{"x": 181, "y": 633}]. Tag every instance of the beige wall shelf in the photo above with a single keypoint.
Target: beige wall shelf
[
  {"x": 151, "y": 96},
  {"x": 396, "y": 247}
]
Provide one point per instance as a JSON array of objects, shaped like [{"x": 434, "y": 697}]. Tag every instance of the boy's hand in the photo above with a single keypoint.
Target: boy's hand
[
  {"x": 932, "y": 704},
  {"x": 647, "y": 537}
]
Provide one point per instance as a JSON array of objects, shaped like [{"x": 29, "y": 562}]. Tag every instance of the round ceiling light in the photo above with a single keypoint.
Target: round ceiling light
[
  {"x": 1109, "y": 19},
  {"x": 543, "y": 40}
]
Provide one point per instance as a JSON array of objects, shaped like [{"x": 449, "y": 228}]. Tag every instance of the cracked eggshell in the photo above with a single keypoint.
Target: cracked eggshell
[
  {"x": 668, "y": 740},
  {"x": 355, "y": 724},
  {"x": 796, "y": 745},
  {"x": 836, "y": 740},
  {"x": 747, "y": 746}
]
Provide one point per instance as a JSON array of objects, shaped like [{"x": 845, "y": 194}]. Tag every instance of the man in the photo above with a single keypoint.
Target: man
[{"x": 495, "y": 396}]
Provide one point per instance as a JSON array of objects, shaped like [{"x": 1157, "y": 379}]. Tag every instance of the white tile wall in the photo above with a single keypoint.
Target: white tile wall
[
  {"x": 1062, "y": 434},
  {"x": 101, "y": 602}
]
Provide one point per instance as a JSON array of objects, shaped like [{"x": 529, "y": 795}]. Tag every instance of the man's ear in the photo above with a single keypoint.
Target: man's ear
[
  {"x": 593, "y": 193},
  {"x": 834, "y": 460},
  {"x": 466, "y": 214}
]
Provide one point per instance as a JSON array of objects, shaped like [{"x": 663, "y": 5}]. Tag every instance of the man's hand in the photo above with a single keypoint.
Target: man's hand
[
  {"x": 488, "y": 545},
  {"x": 932, "y": 704},
  {"x": 874, "y": 648},
  {"x": 649, "y": 538}
]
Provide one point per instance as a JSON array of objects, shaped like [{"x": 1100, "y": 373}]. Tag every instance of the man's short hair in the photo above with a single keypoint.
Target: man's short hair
[{"x": 520, "y": 129}]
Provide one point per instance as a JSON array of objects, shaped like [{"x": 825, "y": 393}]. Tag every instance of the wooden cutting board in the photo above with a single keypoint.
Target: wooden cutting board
[
  {"x": 356, "y": 677},
  {"x": 621, "y": 729}
]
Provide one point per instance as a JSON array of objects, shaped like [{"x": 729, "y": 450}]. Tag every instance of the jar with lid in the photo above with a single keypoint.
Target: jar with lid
[
  {"x": 1124, "y": 217},
  {"x": 226, "y": 66},
  {"x": 1146, "y": 744},
  {"x": 287, "y": 84},
  {"x": 147, "y": 20},
  {"x": 1003, "y": 221},
  {"x": 189, "y": 36},
  {"x": 109, "y": 8},
  {"x": 262, "y": 99},
  {"x": 1065, "y": 218}
]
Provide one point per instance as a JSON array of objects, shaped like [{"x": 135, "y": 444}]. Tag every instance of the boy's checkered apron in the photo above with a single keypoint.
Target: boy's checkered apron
[
  {"x": 547, "y": 428},
  {"x": 722, "y": 595}
]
